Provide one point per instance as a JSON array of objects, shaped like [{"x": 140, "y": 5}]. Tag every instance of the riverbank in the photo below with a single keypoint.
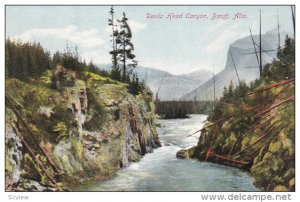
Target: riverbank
[
  {"x": 162, "y": 171},
  {"x": 252, "y": 126}
]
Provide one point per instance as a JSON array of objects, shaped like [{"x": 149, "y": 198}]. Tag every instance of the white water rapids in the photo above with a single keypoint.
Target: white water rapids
[{"x": 162, "y": 171}]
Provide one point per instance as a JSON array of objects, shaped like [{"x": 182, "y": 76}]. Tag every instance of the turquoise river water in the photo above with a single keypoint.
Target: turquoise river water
[{"x": 162, "y": 171}]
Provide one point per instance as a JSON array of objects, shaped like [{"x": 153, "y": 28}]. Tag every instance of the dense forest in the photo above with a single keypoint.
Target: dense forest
[
  {"x": 253, "y": 126},
  {"x": 26, "y": 61},
  {"x": 181, "y": 109}
]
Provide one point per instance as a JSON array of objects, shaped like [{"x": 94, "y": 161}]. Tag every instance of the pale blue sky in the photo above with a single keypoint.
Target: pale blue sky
[{"x": 177, "y": 46}]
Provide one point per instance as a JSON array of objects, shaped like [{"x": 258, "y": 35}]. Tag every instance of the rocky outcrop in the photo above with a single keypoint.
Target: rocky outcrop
[
  {"x": 85, "y": 131},
  {"x": 183, "y": 154},
  {"x": 13, "y": 158},
  {"x": 124, "y": 136},
  {"x": 245, "y": 62}
]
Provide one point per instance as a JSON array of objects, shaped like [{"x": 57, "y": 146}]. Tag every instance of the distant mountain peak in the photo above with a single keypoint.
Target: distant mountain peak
[
  {"x": 245, "y": 60},
  {"x": 172, "y": 86}
]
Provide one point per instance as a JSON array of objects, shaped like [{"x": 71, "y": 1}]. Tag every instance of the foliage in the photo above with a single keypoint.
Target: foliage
[
  {"x": 30, "y": 60},
  {"x": 24, "y": 60},
  {"x": 77, "y": 148},
  {"x": 181, "y": 109},
  {"x": 123, "y": 59},
  {"x": 91, "y": 67},
  {"x": 61, "y": 129},
  {"x": 135, "y": 86},
  {"x": 284, "y": 67},
  {"x": 29, "y": 98},
  {"x": 43, "y": 91},
  {"x": 71, "y": 61},
  {"x": 115, "y": 72},
  {"x": 267, "y": 142},
  {"x": 125, "y": 48},
  {"x": 122, "y": 48}
]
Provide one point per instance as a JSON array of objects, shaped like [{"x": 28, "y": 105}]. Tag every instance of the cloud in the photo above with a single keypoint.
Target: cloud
[
  {"x": 134, "y": 25},
  {"x": 87, "y": 39}
]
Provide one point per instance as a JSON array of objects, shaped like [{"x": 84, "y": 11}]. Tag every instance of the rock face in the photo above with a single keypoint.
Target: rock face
[
  {"x": 125, "y": 134},
  {"x": 246, "y": 64},
  {"x": 94, "y": 129},
  {"x": 13, "y": 158}
]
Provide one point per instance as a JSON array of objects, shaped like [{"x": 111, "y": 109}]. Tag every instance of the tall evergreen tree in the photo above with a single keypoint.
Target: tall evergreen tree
[
  {"x": 123, "y": 59},
  {"x": 115, "y": 73},
  {"x": 125, "y": 49}
]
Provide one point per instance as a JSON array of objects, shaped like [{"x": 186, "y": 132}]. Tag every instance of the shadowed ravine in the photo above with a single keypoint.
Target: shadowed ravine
[{"x": 162, "y": 171}]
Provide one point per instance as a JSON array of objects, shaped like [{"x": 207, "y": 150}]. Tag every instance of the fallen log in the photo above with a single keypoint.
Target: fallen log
[
  {"x": 248, "y": 132},
  {"x": 36, "y": 160},
  {"x": 229, "y": 159},
  {"x": 44, "y": 152},
  {"x": 272, "y": 86},
  {"x": 256, "y": 141},
  {"x": 243, "y": 107},
  {"x": 290, "y": 99}
]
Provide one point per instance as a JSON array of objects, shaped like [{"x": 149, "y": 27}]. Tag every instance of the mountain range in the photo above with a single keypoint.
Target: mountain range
[
  {"x": 172, "y": 87},
  {"x": 199, "y": 85},
  {"x": 245, "y": 61}
]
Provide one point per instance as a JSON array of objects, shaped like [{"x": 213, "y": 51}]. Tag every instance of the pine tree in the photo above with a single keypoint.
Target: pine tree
[
  {"x": 230, "y": 91},
  {"x": 125, "y": 48},
  {"x": 115, "y": 73},
  {"x": 123, "y": 59}
]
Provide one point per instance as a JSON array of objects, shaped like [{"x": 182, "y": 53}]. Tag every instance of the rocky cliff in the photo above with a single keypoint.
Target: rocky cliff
[
  {"x": 86, "y": 130},
  {"x": 245, "y": 61}
]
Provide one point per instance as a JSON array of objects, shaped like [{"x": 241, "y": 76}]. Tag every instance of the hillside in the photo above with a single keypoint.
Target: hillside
[
  {"x": 253, "y": 126},
  {"x": 65, "y": 125}
]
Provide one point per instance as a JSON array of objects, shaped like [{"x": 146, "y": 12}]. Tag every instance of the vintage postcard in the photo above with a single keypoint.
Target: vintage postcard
[{"x": 152, "y": 98}]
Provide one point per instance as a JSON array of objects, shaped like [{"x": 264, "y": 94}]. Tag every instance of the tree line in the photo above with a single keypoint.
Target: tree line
[
  {"x": 24, "y": 60},
  {"x": 181, "y": 109},
  {"x": 281, "y": 69}
]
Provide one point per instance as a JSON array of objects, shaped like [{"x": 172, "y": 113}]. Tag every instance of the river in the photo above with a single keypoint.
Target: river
[{"x": 162, "y": 171}]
